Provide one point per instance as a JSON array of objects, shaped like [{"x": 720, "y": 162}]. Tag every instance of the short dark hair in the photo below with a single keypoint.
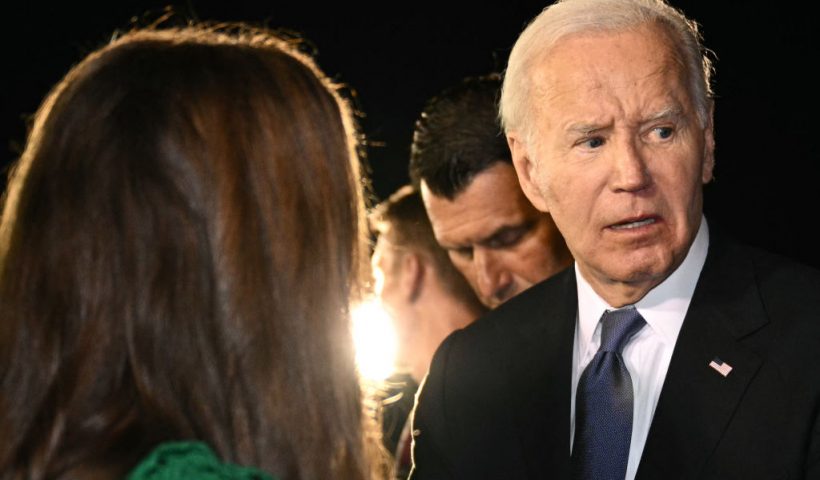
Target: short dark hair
[
  {"x": 458, "y": 136},
  {"x": 404, "y": 220}
]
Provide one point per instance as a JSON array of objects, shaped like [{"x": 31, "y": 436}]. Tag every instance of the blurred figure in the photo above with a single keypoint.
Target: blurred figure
[
  {"x": 415, "y": 280},
  {"x": 426, "y": 297},
  {"x": 462, "y": 165},
  {"x": 179, "y": 245}
]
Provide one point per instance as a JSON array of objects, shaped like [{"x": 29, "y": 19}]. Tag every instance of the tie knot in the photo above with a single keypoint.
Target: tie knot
[{"x": 618, "y": 326}]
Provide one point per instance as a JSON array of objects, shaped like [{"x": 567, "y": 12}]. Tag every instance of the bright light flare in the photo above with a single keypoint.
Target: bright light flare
[{"x": 375, "y": 340}]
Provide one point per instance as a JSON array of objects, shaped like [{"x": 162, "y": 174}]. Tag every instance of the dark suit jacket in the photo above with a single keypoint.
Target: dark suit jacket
[{"x": 496, "y": 403}]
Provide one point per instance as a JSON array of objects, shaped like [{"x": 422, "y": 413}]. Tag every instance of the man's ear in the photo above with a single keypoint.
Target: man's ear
[
  {"x": 525, "y": 169},
  {"x": 413, "y": 270},
  {"x": 707, "y": 173}
]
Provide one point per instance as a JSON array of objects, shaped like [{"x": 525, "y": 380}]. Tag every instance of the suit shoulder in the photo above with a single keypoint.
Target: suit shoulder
[
  {"x": 775, "y": 275},
  {"x": 528, "y": 306},
  {"x": 789, "y": 292},
  {"x": 474, "y": 354},
  {"x": 780, "y": 277}
]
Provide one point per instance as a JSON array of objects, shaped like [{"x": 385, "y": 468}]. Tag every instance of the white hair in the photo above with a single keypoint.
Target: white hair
[{"x": 566, "y": 17}]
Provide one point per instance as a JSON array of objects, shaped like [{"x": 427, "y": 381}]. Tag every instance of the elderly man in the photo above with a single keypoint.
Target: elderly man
[
  {"x": 669, "y": 351},
  {"x": 462, "y": 165}
]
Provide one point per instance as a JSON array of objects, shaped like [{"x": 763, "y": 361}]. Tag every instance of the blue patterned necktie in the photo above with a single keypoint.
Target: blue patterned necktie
[{"x": 603, "y": 404}]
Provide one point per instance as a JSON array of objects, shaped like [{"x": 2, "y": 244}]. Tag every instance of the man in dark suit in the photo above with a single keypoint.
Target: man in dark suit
[{"x": 668, "y": 351}]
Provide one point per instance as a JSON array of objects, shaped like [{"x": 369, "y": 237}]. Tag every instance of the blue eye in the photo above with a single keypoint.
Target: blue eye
[
  {"x": 594, "y": 142},
  {"x": 664, "y": 132}
]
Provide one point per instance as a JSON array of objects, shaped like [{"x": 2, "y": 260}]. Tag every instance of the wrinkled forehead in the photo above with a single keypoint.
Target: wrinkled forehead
[
  {"x": 655, "y": 38},
  {"x": 582, "y": 65},
  {"x": 654, "y": 30}
]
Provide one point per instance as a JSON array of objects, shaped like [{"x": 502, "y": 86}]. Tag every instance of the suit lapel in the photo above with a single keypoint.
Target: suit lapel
[
  {"x": 697, "y": 402},
  {"x": 539, "y": 372}
]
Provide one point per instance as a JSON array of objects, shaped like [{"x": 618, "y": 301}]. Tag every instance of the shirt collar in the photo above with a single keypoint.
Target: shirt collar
[{"x": 664, "y": 307}]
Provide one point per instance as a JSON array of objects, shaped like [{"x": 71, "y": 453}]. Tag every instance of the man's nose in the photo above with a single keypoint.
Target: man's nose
[
  {"x": 630, "y": 172},
  {"x": 494, "y": 281}
]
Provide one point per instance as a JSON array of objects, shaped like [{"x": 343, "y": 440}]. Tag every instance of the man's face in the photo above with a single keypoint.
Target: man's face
[
  {"x": 386, "y": 263},
  {"x": 494, "y": 236},
  {"x": 617, "y": 156}
]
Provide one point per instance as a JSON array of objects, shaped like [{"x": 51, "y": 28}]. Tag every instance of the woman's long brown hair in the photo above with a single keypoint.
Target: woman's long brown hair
[{"x": 179, "y": 244}]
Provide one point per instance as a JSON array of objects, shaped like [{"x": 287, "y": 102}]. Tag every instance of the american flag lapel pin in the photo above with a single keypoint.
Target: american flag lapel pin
[{"x": 721, "y": 367}]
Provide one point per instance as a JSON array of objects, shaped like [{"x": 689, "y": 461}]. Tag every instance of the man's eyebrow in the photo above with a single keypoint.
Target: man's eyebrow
[
  {"x": 671, "y": 113},
  {"x": 584, "y": 128}
]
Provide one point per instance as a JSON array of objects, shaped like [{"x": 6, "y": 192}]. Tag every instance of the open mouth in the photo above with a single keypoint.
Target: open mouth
[{"x": 633, "y": 224}]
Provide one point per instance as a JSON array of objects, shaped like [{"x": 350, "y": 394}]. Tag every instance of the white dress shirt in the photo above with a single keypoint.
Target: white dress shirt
[{"x": 648, "y": 354}]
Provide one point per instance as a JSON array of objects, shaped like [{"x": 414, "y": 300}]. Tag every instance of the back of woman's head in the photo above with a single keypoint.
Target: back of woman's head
[{"x": 178, "y": 247}]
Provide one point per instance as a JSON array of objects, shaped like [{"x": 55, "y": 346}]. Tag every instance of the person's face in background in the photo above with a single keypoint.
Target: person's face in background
[
  {"x": 386, "y": 266},
  {"x": 618, "y": 157},
  {"x": 495, "y": 237},
  {"x": 388, "y": 276}
]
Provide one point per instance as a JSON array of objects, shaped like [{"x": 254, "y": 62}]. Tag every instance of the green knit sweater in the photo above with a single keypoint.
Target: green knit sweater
[{"x": 190, "y": 460}]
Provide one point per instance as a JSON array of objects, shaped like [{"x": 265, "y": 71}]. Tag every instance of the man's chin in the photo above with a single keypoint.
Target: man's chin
[
  {"x": 491, "y": 304},
  {"x": 633, "y": 270},
  {"x": 641, "y": 277}
]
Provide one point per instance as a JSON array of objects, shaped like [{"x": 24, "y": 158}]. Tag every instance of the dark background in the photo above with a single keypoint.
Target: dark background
[{"x": 395, "y": 55}]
